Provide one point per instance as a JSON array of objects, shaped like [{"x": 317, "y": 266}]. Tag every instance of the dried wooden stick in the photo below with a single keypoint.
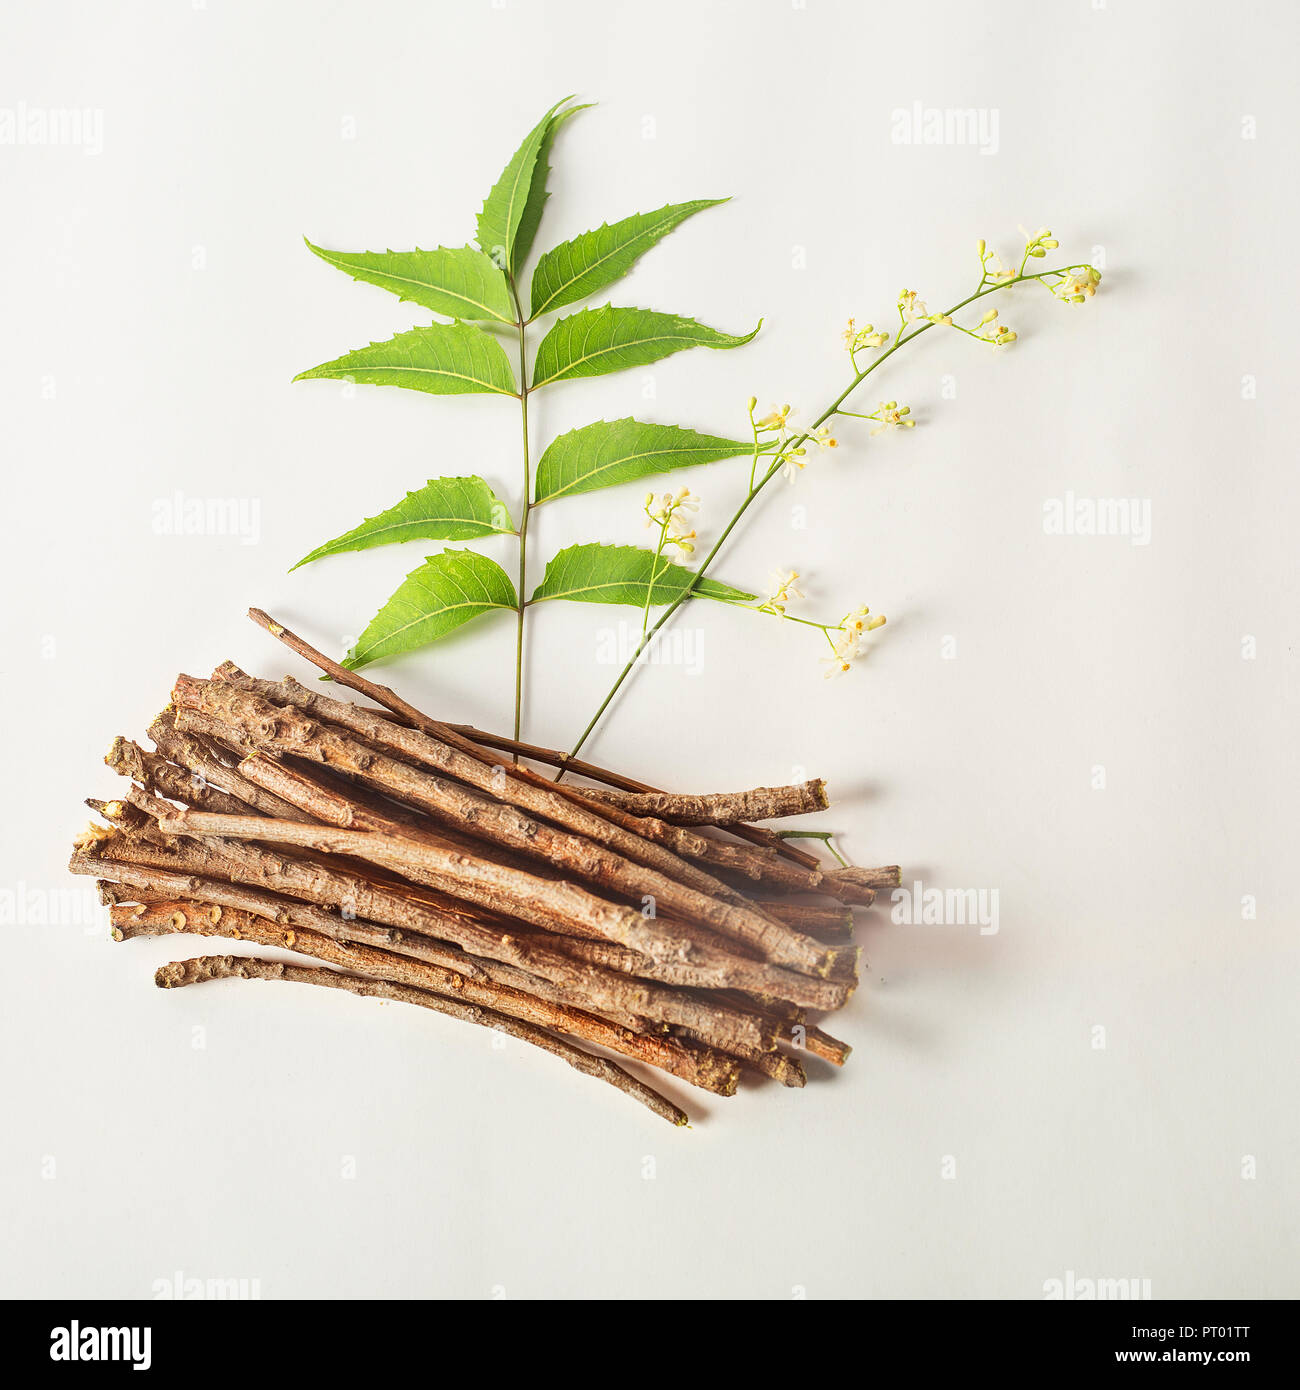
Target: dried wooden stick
[
  {"x": 579, "y": 967},
  {"x": 707, "y": 965},
  {"x": 822, "y": 1045},
  {"x": 546, "y": 903},
  {"x": 202, "y": 968},
  {"x": 402, "y": 852},
  {"x": 210, "y": 899},
  {"x": 792, "y": 1027},
  {"x": 602, "y": 991},
  {"x": 778, "y": 1066},
  {"x": 721, "y": 808},
  {"x": 813, "y": 918},
  {"x": 710, "y": 970},
  {"x": 845, "y": 882},
  {"x": 187, "y": 750},
  {"x": 380, "y": 694},
  {"x": 565, "y": 806},
  {"x": 541, "y": 902},
  {"x": 467, "y": 739},
  {"x": 287, "y": 730},
  {"x": 166, "y": 778},
  {"x": 741, "y": 864},
  {"x": 523, "y": 788},
  {"x": 712, "y": 1071}
]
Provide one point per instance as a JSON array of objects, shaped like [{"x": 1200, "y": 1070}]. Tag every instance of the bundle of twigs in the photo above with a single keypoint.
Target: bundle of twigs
[{"x": 410, "y": 857}]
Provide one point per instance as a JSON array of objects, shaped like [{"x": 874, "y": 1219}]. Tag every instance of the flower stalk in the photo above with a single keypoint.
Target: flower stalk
[{"x": 1071, "y": 284}]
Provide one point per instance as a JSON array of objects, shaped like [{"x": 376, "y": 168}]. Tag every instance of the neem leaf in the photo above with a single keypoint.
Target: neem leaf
[
  {"x": 578, "y": 268},
  {"x": 460, "y": 282},
  {"x": 503, "y": 210},
  {"x": 444, "y": 509},
  {"x": 445, "y": 592},
  {"x": 617, "y": 451},
  {"x": 445, "y": 359},
  {"x": 595, "y": 341},
  {"x": 537, "y": 194},
  {"x": 621, "y": 574}
]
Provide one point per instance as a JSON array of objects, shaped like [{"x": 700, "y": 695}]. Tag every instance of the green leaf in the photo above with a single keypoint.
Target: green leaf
[
  {"x": 621, "y": 574},
  {"x": 578, "y": 268},
  {"x": 444, "y": 509},
  {"x": 616, "y": 451},
  {"x": 445, "y": 359},
  {"x": 461, "y": 282},
  {"x": 503, "y": 210},
  {"x": 537, "y": 194},
  {"x": 446, "y": 591},
  {"x": 595, "y": 341}
]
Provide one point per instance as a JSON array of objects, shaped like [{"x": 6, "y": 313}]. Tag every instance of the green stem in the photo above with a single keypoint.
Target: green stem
[
  {"x": 825, "y": 836},
  {"x": 650, "y": 588},
  {"x": 757, "y": 488},
  {"x": 525, "y": 512}
]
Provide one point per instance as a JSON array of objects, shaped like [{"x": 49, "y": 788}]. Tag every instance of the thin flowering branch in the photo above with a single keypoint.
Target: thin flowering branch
[
  {"x": 888, "y": 415},
  {"x": 669, "y": 515},
  {"x": 844, "y": 638},
  {"x": 1070, "y": 283}
]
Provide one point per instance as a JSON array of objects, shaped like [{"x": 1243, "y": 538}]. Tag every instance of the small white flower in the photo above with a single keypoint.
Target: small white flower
[
  {"x": 783, "y": 585},
  {"x": 847, "y": 647},
  {"x": 671, "y": 515},
  {"x": 837, "y": 665},
  {"x": 892, "y": 416},
  {"x": 776, "y": 419},
  {"x": 1077, "y": 286},
  {"x": 856, "y": 621},
  {"x": 996, "y": 270},
  {"x": 856, "y": 338}
]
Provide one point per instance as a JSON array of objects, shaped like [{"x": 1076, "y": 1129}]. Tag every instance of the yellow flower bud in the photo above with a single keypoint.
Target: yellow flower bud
[
  {"x": 877, "y": 621},
  {"x": 988, "y": 318},
  {"x": 753, "y": 404},
  {"x": 981, "y": 246}
]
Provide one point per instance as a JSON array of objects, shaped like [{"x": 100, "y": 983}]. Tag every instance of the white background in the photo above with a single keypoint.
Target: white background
[{"x": 157, "y": 301}]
